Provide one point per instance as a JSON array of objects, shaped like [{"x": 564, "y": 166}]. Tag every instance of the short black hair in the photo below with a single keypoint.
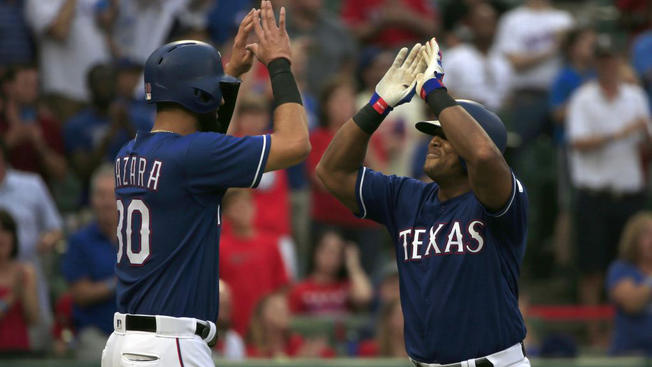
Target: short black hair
[{"x": 8, "y": 224}]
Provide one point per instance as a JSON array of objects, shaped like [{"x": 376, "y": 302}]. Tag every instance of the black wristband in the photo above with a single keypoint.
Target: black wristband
[
  {"x": 439, "y": 99},
  {"x": 284, "y": 86},
  {"x": 368, "y": 119}
]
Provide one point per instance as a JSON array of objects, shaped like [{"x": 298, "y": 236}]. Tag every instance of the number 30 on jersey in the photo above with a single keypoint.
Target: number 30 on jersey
[{"x": 136, "y": 207}]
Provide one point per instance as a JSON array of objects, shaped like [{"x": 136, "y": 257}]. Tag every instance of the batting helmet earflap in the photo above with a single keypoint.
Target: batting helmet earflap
[
  {"x": 489, "y": 121},
  {"x": 185, "y": 72}
]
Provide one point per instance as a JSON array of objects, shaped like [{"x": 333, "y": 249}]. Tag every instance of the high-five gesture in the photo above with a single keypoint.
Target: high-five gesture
[
  {"x": 397, "y": 85},
  {"x": 273, "y": 41},
  {"x": 241, "y": 58}
]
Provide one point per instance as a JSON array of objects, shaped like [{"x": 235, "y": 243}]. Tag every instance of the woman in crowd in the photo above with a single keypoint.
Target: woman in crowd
[
  {"x": 270, "y": 335},
  {"x": 629, "y": 285},
  {"x": 336, "y": 284},
  {"x": 389, "y": 342},
  {"x": 18, "y": 298}
]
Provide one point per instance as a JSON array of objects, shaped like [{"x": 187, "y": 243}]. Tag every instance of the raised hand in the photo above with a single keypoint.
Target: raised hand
[
  {"x": 433, "y": 77},
  {"x": 241, "y": 58},
  {"x": 273, "y": 41},
  {"x": 397, "y": 85}
]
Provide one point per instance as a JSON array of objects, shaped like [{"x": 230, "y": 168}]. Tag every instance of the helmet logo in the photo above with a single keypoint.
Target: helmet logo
[{"x": 148, "y": 92}]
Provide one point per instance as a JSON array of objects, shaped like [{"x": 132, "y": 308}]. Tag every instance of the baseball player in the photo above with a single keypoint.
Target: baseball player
[
  {"x": 169, "y": 185},
  {"x": 459, "y": 241}
]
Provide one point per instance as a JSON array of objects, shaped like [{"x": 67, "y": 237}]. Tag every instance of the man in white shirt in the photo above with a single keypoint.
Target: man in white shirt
[
  {"x": 25, "y": 196},
  {"x": 70, "y": 41},
  {"x": 475, "y": 71},
  {"x": 608, "y": 122},
  {"x": 529, "y": 37}
]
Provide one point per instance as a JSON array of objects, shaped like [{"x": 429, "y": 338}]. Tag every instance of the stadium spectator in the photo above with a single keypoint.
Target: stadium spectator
[
  {"x": 70, "y": 41},
  {"x": 474, "y": 70},
  {"x": 95, "y": 134},
  {"x": 130, "y": 91},
  {"x": 141, "y": 26},
  {"x": 336, "y": 284},
  {"x": 88, "y": 267},
  {"x": 389, "y": 341},
  {"x": 19, "y": 306},
  {"x": 529, "y": 36},
  {"x": 32, "y": 135},
  {"x": 629, "y": 285},
  {"x": 606, "y": 125},
  {"x": 331, "y": 49},
  {"x": 26, "y": 198},
  {"x": 16, "y": 44},
  {"x": 390, "y": 23},
  {"x": 270, "y": 337},
  {"x": 337, "y": 105},
  {"x": 579, "y": 68},
  {"x": 250, "y": 260},
  {"x": 230, "y": 344}
]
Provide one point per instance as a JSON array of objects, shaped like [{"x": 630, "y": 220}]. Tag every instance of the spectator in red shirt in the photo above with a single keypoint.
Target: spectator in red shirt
[
  {"x": 390, "y": 23},
  {"x": 250, "y": 261},
  {"x": 337, "y": 103},
  {"x": 32, "y": 135},
  {"x": 19, "y": 307},
  {"x": 337, "y": 283},
  {"x": 389, "y": 340},
  {"x": 270, "y": 337}
]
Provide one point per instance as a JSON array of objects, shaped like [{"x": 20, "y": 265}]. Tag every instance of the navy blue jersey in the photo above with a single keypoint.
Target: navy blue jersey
[
  {"x": 458, "y": 265},
  {"x": 168, "y": 189}
]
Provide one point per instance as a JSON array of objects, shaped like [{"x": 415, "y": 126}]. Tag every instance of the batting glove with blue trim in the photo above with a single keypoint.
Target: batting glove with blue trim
[
  {"x": 398, "y": 84},
  {"x": 433, "y": 77}
]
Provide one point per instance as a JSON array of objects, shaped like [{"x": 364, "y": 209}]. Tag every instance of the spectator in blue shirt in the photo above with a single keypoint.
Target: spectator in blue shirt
[
  {"x": 629, "y": 285},
  {"x": 578, "y": 49},
  {"x": 88, "y": 267},
  {"x": 578, "y": 69},
  {"x": 96, "y": 133}
]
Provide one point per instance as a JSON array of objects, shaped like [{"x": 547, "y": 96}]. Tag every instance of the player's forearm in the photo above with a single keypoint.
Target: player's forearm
[
  {"x": 290, "y": 139},
  {"x": 338, "y": 167},
  {"x": 468, "y": 138}
]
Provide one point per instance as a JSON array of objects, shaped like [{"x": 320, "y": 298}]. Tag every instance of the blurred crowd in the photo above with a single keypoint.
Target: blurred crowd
[{"x": 571, "y": 79}]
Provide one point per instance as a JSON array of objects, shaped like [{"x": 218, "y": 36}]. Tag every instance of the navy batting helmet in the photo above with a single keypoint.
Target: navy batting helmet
[
  {"x": 185, "y": 72},
  {"x": 489, "y": 121}
]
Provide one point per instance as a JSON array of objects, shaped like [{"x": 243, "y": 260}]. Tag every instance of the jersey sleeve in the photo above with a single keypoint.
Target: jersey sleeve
[
  {"x": 215, "y": 160},
  {"x": 512, "y": 218},
  {"x": 377, "y": 194}
]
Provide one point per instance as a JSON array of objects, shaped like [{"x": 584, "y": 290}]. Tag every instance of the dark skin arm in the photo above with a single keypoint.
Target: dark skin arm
[
  {"x": 489, "y": 174},
  {"x": 338, "y": 167}
]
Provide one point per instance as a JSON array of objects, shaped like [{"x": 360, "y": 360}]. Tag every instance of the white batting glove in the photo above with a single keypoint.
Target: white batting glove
[
  {"x": 398, "y": 84},
  {"x": 433, "y": 77}
]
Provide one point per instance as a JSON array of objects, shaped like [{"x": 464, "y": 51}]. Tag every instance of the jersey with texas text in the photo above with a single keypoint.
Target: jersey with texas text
[
  {"x": 168, "y": 189},
  {"x": 458, "y": 265}
]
